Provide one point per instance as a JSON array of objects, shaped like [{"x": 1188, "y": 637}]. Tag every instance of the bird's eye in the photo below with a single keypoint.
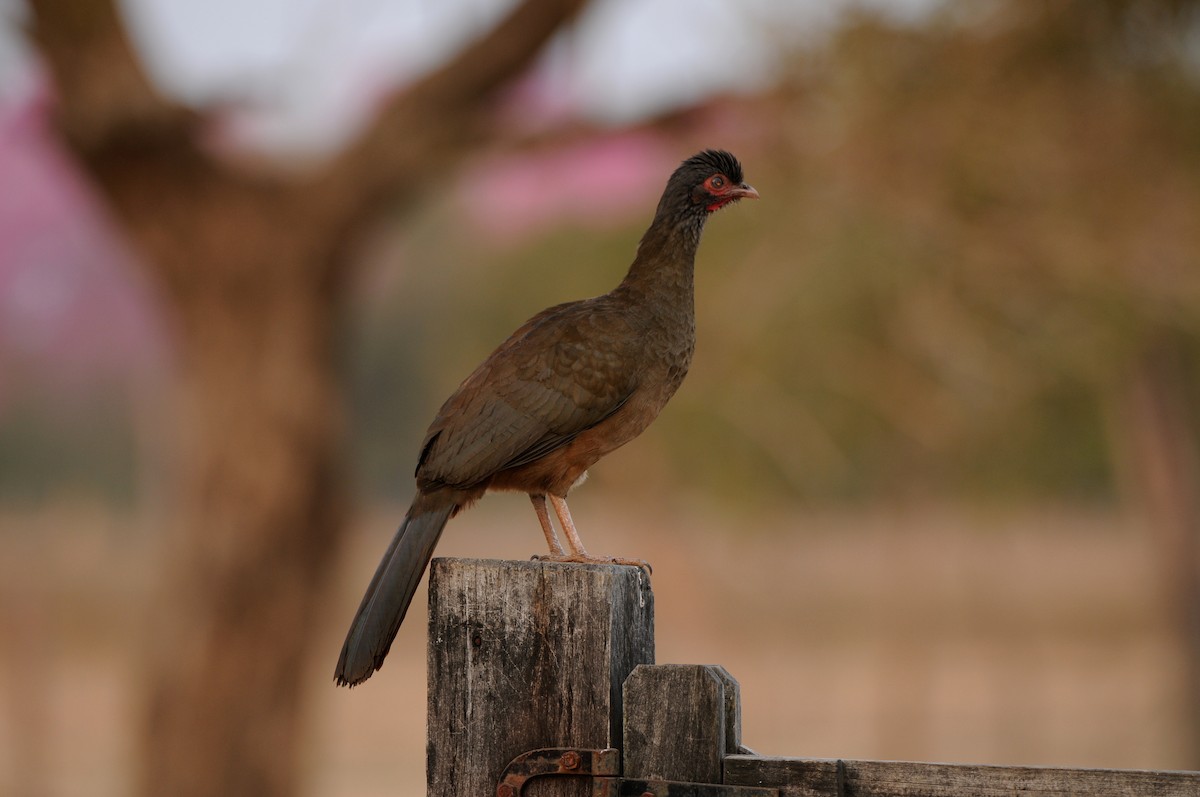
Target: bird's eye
[{"x": 717, "y": 182}]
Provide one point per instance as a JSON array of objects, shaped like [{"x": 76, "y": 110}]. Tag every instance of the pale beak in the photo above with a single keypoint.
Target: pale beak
[{"x": 743, "y": 191}]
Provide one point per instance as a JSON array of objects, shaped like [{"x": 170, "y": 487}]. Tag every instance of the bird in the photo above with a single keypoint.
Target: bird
[{"x": 572, "y": 384}]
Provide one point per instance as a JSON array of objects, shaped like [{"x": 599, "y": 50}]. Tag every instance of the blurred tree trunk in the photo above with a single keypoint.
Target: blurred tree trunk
[
  {"x": 253, "y": 266},
  {"x": 1162, "y": 463}
]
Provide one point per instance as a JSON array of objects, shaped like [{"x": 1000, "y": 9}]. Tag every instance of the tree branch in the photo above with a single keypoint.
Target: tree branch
[
  {"x": 439, "y": 116},
  {"x": 120, "y": 125},
  {"x": 105, "y": 98}
]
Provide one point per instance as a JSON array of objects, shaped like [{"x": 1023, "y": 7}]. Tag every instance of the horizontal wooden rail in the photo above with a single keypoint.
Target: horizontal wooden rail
[{"x": 815, "y": 777}]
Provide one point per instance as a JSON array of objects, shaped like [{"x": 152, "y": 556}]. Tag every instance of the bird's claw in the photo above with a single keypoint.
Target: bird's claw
[{"x": 642, "y": 563}]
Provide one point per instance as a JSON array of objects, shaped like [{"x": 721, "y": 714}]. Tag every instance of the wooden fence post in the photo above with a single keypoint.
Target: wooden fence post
[
  {"x": 526, "y": 655},
  {"x": 681, "y": 720}
]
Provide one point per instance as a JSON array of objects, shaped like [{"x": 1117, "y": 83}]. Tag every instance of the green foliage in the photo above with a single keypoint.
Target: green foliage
[{"x": 968, "y": 240}]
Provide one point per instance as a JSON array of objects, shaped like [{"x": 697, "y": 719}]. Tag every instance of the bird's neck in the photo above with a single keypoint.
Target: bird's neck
[{"x": 662, "y": 270}]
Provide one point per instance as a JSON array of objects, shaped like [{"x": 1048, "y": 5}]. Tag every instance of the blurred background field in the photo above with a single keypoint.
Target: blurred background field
[{"x": 931, "y": 490}]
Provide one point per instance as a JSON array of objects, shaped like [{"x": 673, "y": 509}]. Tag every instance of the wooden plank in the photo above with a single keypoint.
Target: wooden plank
[
  {"x": 526, "y": 655},
  {"x": 733, "y": 711},
  {"x": 807, "y": 777},
  {"x": 674, "y": 723}
]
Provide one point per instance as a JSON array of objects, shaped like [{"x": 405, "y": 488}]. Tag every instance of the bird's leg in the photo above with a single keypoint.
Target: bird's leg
[
  {"x": 568, "y": 526},
  {"x": 539, "y": 506},
  {"x": 578, "y": 552}
]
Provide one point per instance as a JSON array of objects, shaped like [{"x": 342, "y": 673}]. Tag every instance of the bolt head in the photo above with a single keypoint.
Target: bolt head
[{"x": 570, "y": 760}]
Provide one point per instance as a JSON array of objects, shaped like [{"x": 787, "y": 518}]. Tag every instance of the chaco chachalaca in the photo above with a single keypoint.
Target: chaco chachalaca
[{"x": 575, "y": 382}]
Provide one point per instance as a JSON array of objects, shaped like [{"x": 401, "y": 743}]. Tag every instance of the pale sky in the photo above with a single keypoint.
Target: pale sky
[
  {"x": 312, "y": 67},
  {"x": 318, "y": 63}
]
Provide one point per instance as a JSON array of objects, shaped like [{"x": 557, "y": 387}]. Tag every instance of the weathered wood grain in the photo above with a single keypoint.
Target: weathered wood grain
[
  {"x": 675, "y": 723},
  {"x": 806, "y": 777},
  {"x": 526, "y": 655},
  {"x": 733, "y": 711}
]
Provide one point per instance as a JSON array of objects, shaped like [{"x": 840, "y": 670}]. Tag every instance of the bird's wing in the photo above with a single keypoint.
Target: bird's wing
[{"x": 562, "y": 372}]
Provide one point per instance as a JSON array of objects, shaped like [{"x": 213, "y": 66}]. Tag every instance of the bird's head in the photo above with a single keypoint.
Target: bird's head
[{"x": 703, "y": 184}]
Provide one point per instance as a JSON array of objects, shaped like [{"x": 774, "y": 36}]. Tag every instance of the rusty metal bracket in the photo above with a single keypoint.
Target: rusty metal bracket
[
  {"x": 604, "y": 769},
  {"x": 552, "y": 761}
]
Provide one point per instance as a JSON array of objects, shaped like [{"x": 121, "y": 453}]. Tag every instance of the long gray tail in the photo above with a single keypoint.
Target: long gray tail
[{"x": 389, "y": 593}]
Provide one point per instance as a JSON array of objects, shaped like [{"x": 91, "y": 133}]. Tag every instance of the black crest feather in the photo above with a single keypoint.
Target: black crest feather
[{"x": 715, "y": 160}]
